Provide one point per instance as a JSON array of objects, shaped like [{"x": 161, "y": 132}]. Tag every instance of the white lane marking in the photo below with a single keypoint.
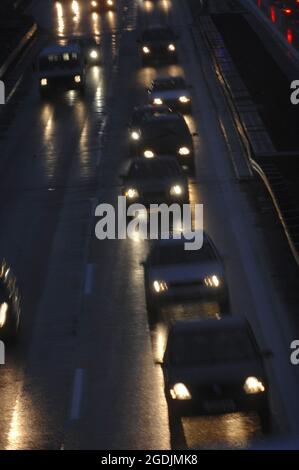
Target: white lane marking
[
  {"x": 77, "y": 395},
  {"x": 88, "y": 278}
]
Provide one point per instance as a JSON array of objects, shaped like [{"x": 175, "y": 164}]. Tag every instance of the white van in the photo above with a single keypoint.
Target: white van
[{"x": 61, "y": 67}]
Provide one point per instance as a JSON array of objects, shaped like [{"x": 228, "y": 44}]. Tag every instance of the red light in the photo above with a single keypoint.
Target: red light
[
  {"x": 290, "y": 36},
  {"x": 273, "y": 14},
  {"x": 287, "y": 11}
]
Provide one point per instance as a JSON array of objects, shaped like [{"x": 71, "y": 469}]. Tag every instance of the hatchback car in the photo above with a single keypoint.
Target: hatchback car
[
  {"x": 172, "y": 92},
  {"x": 156, "y": 181},
  {"x": 166, "y": 134},
  {"x": 140, "y": 115},
  {"x": 158, "y": 45},
  {"x": 174, "y": 274},
  {"x": 215, "y": 367}
]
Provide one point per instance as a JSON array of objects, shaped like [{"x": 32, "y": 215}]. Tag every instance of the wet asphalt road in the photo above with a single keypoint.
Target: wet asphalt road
[{"x": 83, "y": 374}]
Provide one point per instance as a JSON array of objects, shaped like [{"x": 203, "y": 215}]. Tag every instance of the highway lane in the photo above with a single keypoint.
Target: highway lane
[
  {"x": 122, "y": 403},
  {"x": 50, "y": 155},
  {"x": 83, "y": 375}
]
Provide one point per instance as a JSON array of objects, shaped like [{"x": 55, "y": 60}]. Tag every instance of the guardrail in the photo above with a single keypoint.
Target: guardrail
[{"x": 272, "y": 179}]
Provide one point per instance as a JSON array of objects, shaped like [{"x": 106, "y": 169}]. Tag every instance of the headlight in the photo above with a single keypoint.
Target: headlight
[
  {"x": 184, "y": 151},
  {"x": 110, "y": 2},
  {"x": 93, "y": 54},
  {"x": 184, "y": 99},
  {"x": 176, "y": 190},
  {"x": 135, "y": 135},
  {"x": 171, "y": 47},
  {"x": 146, "y": 50},
  {"x": 94, "y": 4},
  {"x": 212, "y": 281},
  {"x": 180, "y": 392},
  {"x": 160, "y": 286},
  {"x": 148, "y": 154},
  {"x": 44, "y": 82},
  {"x": 3, "y": 314},
  {"x": 252, "y": 385},
  {"x": 158, "y": 101},
  {"x": 77, "y": 78},
  {"x": 132, "y": 193}
]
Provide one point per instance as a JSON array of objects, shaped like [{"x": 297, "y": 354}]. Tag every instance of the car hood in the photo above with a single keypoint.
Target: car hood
[
  {"x": 168, "y": 141},
  {"x": 216, "y": 373},
  {"x": 170, "y": 94},
  {"x": 154, "y": 184},
  {"x": 184, "y": 272}
]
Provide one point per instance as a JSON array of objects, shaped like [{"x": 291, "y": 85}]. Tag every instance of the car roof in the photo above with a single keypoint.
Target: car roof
[
  {"x": 58, "y": 49},
  {"x": 174, "y": 117},
  {"x": 225, "y": 324},
  {"x": 157, "y": 28},
  {"x": 179, "y": 241},
  {"x": 168, "y": 78},
  {"x": 158, "y": 165}
]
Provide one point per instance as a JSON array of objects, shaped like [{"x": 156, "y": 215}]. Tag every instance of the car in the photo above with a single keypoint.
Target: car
[
  {"x": 90, "y": 47},
  {"x": 158, "y": 45},
  {"x": 141, "y": 114},
  {"x": 10, "y": 304},
  {"x": 173, "y": 274},
  {"x": 166, "y": 134},
  {"x": 214, "y": 367},
  {"x": 60, "y": 68},
  {"x": 106, "y": 5},
  {"x": 156, "y": 181},
  {"x": 172, "y": 92}
]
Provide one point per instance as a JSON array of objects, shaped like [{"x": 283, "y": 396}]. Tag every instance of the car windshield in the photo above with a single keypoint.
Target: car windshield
[
  {"x": 192, "y": 348},
  {"x": 156, "y": 168},
  {"x": 175, "y": 253},
  {"x": 66, "y": 60},
  {"x": 158, "y": 35},
  {"x": 156, "y": 128},
  {"x": 169, "y": 84}
]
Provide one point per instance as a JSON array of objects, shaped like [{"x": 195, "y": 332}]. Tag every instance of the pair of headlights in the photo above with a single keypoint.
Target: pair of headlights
[
  {"x": 252, "y": 386},
  {"x": 109, "y": 3},
  {"x": 182, "y": 151},
  {"x": 175, "y": 190},
  {"x": 44, "y": 81},
  {"x": 171, "y": 47},
  {"x": 182, "y": 99}
]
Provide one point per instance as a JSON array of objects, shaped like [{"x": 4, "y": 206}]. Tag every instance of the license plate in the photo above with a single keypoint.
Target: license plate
[{"x": 218, "y": 406}]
